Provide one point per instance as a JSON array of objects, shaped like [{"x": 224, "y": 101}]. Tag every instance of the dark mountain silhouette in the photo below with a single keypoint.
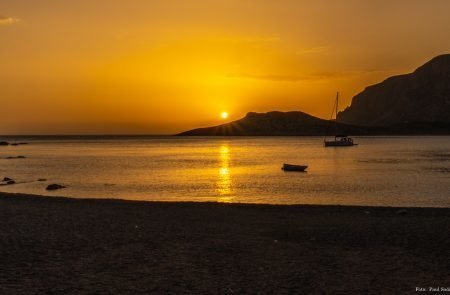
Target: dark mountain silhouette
[
  {"x": 278, "y": 124},
  {"x": 301, "y": 124},
  {"x": 415, "y": 103},
  {"x": 421, "y": 98}
]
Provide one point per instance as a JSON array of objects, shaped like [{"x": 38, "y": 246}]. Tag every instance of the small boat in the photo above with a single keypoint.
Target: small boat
[
  {"x": 290, "y": 167},
  {"x": 339, "y": 140}
]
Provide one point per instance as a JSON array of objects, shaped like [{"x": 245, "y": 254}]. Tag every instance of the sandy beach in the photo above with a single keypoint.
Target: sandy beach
[{"x": 81, "y": 246}]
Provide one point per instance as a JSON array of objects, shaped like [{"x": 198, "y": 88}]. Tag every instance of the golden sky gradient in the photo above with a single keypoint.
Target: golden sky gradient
[{"x": 159, "y": 67}]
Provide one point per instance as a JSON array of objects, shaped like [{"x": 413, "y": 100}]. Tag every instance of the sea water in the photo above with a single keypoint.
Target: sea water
[{"x": 385, "y": 171}]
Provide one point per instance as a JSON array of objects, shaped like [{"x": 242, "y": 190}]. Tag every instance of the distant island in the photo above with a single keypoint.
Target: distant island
[
  {"x": 278, "y": 123},
  {"x": 415, "y": 103}
]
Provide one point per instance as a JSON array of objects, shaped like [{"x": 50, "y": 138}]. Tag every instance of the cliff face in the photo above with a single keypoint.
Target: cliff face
[
  {"x": 277, "y": 124},
  {"x": 421, "y": 96}
]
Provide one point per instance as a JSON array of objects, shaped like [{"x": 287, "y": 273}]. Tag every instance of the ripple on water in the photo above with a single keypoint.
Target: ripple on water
[
  {"x": 437, "y": 156},
  {"x": 444, "y": 170}
]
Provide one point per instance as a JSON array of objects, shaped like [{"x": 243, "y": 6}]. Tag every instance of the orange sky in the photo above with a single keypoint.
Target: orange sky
[{"x": 159, "y": 67}]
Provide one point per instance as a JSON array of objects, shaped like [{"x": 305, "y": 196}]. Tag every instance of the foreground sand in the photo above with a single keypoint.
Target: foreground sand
[{"x": 67, "y": 246}]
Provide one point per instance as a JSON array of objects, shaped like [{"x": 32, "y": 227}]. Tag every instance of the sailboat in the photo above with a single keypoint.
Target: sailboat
[{"x": 339, "y": 140}]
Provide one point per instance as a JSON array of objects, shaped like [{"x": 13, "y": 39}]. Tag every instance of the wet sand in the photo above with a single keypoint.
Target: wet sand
[{"x": 80, "y": 246}]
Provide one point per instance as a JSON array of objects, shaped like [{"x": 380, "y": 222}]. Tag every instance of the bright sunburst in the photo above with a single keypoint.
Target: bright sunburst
[{"x": 224, "y": 115}]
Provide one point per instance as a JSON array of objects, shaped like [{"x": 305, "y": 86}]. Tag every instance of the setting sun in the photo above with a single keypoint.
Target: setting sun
[{"x": 224, "y": 115}]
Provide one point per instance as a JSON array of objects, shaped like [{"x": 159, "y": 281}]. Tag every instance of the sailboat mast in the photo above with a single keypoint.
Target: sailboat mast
[{"x": 337, "y": 103}]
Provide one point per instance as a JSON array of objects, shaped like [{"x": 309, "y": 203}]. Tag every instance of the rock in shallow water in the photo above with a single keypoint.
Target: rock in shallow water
[
  {"x": 54, "y": 186},
  {"x": 402, "y": 212}
]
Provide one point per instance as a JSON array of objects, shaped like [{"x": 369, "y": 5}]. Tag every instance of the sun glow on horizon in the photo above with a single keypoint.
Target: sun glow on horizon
[{"x": 163, "y": 67}]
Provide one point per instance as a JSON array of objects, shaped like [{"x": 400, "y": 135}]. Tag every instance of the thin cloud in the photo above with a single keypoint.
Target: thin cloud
[
  {"x": 290, "y": 78},
  {"x": 8, "y": 21},
  {"x": 269, "y": 77},
  {"x": 251, "y": 40},
  {"x": 317, "y": 49},
  {"x": 262, "y": 39}
]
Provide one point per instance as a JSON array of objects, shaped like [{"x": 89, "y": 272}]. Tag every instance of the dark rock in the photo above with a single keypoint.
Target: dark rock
[
  {"x": 10, "y": 182},
  {"x": 278, "y": 124},
  {"x": 14, "y": 144},
  {"x": 402, "y": 212},
  {"x": 4, "y": 143},
  {"x": 18, "y": 157},
  {"x": 7, "y": 179},
  {"x": 419, "y": 97},
  {"x": 54, "y": 186},
  {"x": 42, "y": 179}
]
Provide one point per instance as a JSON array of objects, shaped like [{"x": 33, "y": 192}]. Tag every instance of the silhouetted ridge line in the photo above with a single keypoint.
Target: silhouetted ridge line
[
  {"x": 419, "y": 97},
  {"x": 415, "y": 103},
  {"x": 278, "y": 124}
]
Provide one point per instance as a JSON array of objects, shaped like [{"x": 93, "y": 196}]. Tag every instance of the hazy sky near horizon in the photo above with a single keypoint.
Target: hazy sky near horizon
[{"x": 146, "y": 66}]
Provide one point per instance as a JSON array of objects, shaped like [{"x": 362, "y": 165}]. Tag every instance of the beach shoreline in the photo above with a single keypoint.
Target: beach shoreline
[{"x": 72, "y": 246}]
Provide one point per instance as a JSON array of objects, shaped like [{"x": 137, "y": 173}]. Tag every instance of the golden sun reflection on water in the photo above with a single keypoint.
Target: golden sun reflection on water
[{"x": 224, "y": 181}]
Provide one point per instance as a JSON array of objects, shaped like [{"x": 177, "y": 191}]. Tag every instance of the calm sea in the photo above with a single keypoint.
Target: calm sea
[{"x": 389, "y": 171}]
